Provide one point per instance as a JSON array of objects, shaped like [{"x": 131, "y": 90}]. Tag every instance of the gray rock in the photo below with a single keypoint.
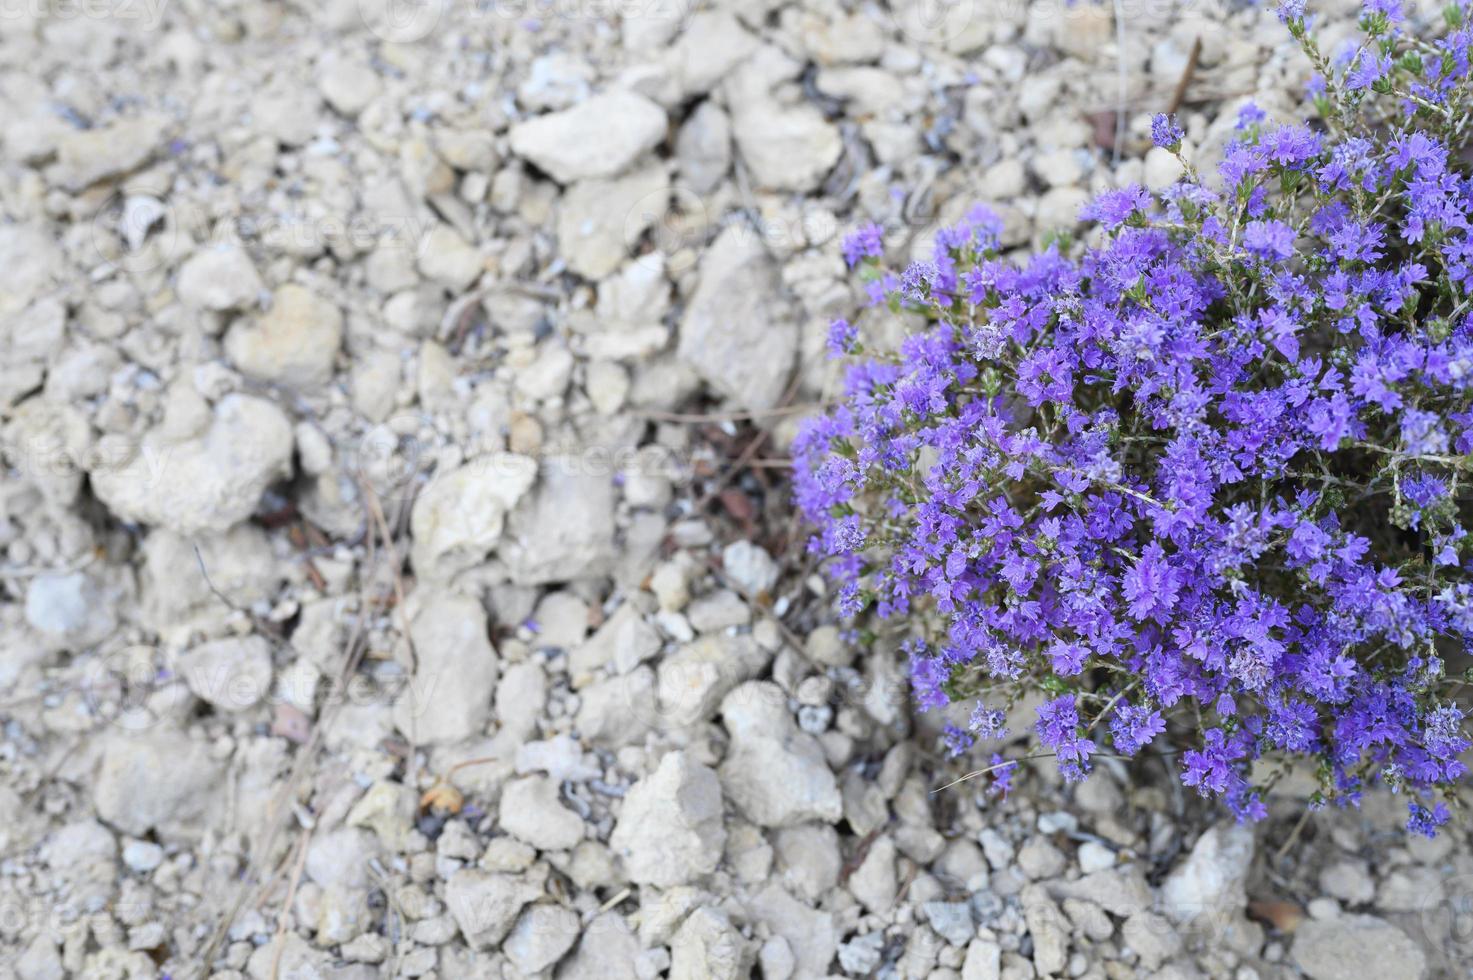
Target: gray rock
[
  {"x": 739, "y": 331},
  {"x": 294, "y": 343},
  {"x": 156, "y": 780},
  {"x": 531, "y": 812},
  {"x": 608, "y": 950},
  {"x": 599, "y": 137},
  {"x": 1210, "y": 884},
  {"x": 209, "y": 482},
  {"x": 670, "y": 829},
  {"x": 788, "y": 148},
  {"x": 707, "y": 945},
  {"x": 565, "y": 529},
  {"x": 952, "y": 921},
  {"x": 774, "y": 773},
  {"x": 231, "y": 674},
  {"x": 486, "y": 905},
  {"x": 541, "y": 936},
  {"x": 1352, "y": 947},
  {"x": 220, "y": 277},
  {"x": 449, "y": 697},
  {"x": 460, "y": 516}
]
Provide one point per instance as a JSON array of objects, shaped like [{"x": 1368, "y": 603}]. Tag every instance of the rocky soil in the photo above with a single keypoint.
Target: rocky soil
[{"x": 398, "y": 577}]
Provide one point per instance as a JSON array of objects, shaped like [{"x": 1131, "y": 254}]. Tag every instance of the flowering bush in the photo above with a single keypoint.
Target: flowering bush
[{"x": 1202, "y": 483}]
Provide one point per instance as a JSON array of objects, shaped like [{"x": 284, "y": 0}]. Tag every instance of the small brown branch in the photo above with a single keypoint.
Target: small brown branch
[{"x": 1179, "y": 96}]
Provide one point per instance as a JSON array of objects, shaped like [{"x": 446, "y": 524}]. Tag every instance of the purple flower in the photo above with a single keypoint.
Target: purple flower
[
  {"x": 1208, "y": 458},
  {"x": 842, "y": 338},
  {"x": 1272, "y": 240},
  {"x": 1165, "y": 133},
  {"x": 1134, "y": 726},
  {"x": 865, "y": 242}
]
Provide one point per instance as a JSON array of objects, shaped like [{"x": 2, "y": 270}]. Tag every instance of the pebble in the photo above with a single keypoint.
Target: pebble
[
  {"x": 232, "y": 674},
  {"x": 459, "y": 517},
  {"x": 1211, "y": 883},
  {"x": 532, "y": 812},
  {"x": 294, "y": 343},
  {"x": 775, "y": 774},
  {"x": 788, "y": 148},
  {"x": 739, "y": 330},
  {"x": 1354, "y": 946},
  {"x": 219, "y": 278},
  {"x": 599, "y": 137},
  {"x": 157, "y": 780},
  {"x": 670, "y": 829},
  {"x": 542, "y": 935},
  {"x": 214, "y": 479},
  {"x": 449, "y": 696},
  {"x": 708, "y": 947},
  {"x": 486, "y": 905}
]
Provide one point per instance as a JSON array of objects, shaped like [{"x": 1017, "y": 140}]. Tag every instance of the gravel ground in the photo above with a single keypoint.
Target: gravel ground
[{"x": 398, "y": 573}]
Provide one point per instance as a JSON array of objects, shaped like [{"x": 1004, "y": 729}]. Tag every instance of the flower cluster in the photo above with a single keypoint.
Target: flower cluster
[{"x": 1203, "y": 482}]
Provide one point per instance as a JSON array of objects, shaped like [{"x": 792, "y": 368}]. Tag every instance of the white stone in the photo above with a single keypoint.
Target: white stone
[
  {"x": 775, "y": 774},
  {"x": 750, "y": 567},
  {"x": 531, "y": 812},
  {"x": 1353, "y": 947},
  {"x": 607, "y": 951},
  {"x": 564, "y": 530},
  {"x": 459, "y": 517},
  {"x": 207, "y": 483},
  {"x": 449, "y": 698},
  {"x": 71, "y": 609},
  {"x": 85, "y": 156},
  {"x": 155, "y": 780},
  {"x": 600, "y": 219},
  {"x": 540, "y": 938},
  {"x": 739, "y": 331},
  {"x": 485, "y": 905},
  {"x": 293, "y": 343},
  {"x": 1210, "y": 884},
  {"x": 670, "y": 829},
  {"x": 231, "y": 674},
  {"x": 788, "y": 148},
  {"x": 448, "y": 259},
  {"x": 347, "y": 84},
  {"x": 220, "y": 277},
  {"x": 599, "y": 137},
  {"x": 708, "y": 947}
]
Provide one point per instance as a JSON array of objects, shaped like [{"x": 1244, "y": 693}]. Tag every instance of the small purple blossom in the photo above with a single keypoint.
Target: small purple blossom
[
  {"x": 1165, "y": 132},
  {"x": 865, "y": 242}
]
